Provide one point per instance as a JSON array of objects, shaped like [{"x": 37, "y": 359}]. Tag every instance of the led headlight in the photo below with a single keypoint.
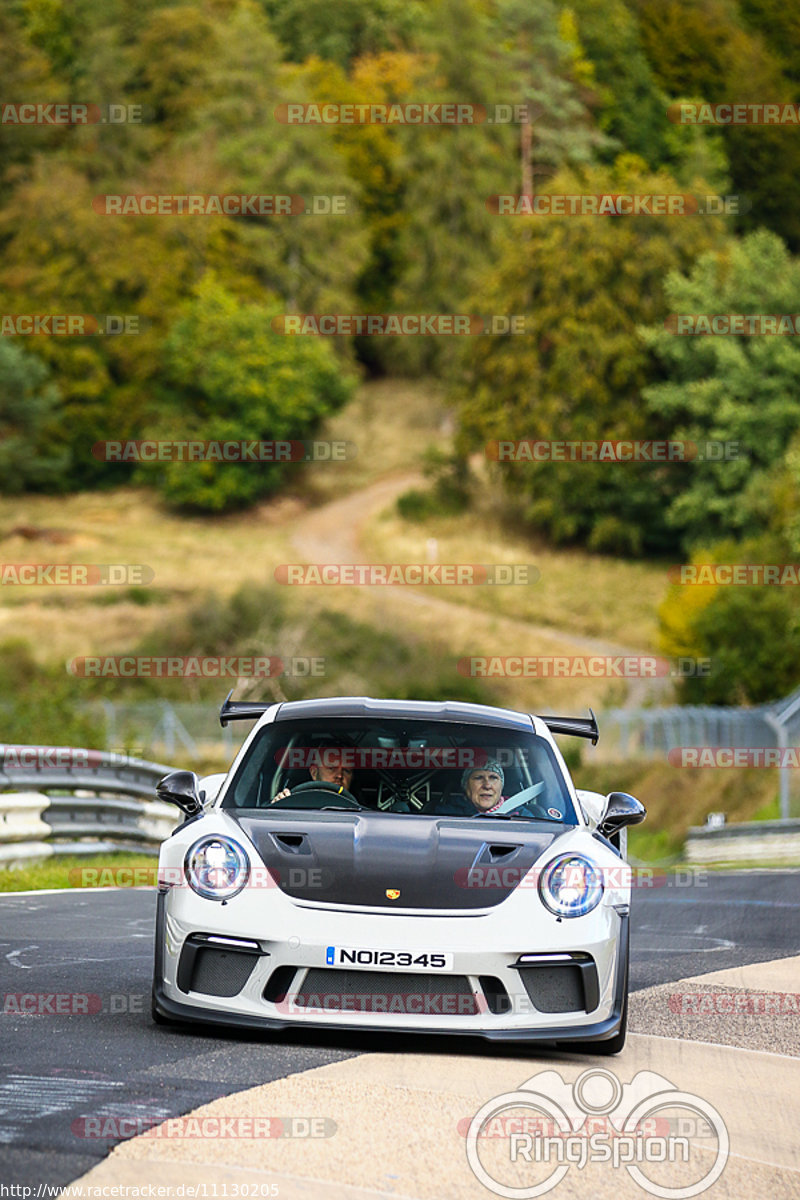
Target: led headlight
[
  {"x": 217, "y": 868},
  {"x": 570, "y": 886}
]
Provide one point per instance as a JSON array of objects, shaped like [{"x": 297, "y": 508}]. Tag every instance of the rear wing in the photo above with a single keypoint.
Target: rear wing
[
  {"x": 251, "y": 710},
  {"x": 242, "y": 710},
  {"x": 574, "y": 726}
]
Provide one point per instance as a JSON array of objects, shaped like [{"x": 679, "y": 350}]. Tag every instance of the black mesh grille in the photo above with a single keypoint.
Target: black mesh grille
[
  {"x": 383, "y": 991},
  {"x": 554, "y": 989},
  {"x": 221, "y": 972}
]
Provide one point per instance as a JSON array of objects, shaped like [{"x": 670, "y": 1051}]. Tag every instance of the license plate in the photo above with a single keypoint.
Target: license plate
[{"x": 398, "y": 960}]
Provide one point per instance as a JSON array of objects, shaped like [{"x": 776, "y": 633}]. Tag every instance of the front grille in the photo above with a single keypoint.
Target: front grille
[
  {"x": 221, "y": 972},
  {"x": 383, "y": 991},
  {"x": 554, "y": 989}
]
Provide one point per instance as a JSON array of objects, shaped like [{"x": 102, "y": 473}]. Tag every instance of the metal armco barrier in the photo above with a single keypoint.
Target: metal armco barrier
[
  {"x": 84, "y": 802},
  {"x": 750, "y": 842}
]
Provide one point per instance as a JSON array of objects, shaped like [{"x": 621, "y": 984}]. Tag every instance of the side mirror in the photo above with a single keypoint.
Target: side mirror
[
  {"x": 621, "y": 810},
  {"x": 181, "y": 788}
]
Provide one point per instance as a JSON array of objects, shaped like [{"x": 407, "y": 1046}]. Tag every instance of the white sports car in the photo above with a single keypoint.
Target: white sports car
[{"x": 386, "y": 864}]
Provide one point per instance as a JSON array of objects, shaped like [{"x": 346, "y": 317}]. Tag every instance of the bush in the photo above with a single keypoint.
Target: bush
[{"x": 449, "y": 493}]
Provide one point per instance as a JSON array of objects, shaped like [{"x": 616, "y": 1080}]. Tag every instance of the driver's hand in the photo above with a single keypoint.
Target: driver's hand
[{"x": 281, "y": 795}]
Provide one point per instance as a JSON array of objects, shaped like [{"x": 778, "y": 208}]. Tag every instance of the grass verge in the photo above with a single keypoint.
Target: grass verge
[{"x": 82, "y": 871}]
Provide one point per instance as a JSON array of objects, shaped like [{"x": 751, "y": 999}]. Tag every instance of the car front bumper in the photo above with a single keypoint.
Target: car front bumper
[{"x": 490, "y": 958}]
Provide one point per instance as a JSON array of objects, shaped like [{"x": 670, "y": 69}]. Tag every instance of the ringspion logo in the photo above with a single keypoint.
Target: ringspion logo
[{"x": 547, "y": 1126}]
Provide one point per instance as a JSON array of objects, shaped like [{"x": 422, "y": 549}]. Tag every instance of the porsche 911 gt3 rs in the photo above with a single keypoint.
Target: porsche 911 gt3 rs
[{"x": 403, "y": 865}]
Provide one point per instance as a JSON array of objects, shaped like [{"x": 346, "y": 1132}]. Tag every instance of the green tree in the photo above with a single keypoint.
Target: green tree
[
  {"x": 577, "y": 372},
  {"x": 29, "y": 405},
  {"x": 730, "y": 389},
  {"x": 749, "y": 633},
  {"x": 341, "y": 33},
  {"x": 707, "y": 51},
  {"x": 230, "y": 378}
]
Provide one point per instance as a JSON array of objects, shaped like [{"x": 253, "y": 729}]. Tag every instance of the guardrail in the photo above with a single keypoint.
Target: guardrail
[
  {"x": 748, "y": 842},
  {"x": 60, "y": 800}
]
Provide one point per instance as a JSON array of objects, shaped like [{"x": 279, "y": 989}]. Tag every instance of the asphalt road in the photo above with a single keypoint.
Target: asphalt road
[{"x": 56, "y": 1068}]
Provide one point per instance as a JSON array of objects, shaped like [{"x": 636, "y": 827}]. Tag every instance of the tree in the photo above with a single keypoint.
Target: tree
[
  {"x": 748, "y": 633},
  {"x": 728, "y": 389},
  {"x": 230, "y": 378},
  {"x": 29, "y": 404},
  {"x": 577, "y": 373},
  {"x": 705, "y": 50},
  {"x": 341, "y": 33}
]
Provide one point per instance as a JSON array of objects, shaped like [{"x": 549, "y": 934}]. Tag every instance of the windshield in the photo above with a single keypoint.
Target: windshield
[{"x": 417, "y": 767}]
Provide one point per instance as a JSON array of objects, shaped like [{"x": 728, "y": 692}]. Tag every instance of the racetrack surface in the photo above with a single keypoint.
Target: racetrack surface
[{"x": 56, "y": 1069}]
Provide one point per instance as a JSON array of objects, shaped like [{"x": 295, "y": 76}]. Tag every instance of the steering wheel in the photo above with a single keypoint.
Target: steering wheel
[{"x": 317, "y": 785}]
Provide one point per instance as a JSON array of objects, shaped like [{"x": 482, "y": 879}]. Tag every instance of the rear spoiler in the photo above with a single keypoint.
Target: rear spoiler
[
  {"x": 241, "y": 710},
  {"x": 574, "y": 726},
  {"x": 251, "y": 710}
]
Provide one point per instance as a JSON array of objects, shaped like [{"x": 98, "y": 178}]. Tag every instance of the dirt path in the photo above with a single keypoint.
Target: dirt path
[{"x": 333, "y": 533}]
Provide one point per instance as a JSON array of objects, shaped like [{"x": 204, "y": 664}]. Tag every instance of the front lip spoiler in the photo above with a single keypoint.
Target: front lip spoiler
[{"x": 600, "y": 1031}]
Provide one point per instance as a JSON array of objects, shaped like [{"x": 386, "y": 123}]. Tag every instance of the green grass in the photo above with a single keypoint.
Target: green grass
[{"x": 84, "y": 870}]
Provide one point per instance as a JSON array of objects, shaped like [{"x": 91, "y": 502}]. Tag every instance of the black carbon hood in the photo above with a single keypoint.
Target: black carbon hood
[{"x": 432, "y": 862}]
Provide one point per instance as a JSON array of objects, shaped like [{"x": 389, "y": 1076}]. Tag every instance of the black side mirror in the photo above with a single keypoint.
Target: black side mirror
[
  {"x": 180, "y": 787},
  {"x": 621, "y": 810}
]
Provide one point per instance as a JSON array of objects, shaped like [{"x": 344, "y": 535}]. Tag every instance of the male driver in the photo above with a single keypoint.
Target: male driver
[{"x": 329, "y": 768}]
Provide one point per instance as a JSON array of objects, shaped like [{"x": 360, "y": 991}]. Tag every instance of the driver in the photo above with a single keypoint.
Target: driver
[{"x": 330, "y": 769}]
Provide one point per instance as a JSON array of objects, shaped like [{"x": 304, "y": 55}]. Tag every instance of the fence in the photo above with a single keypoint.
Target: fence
[{"x": 652, "y": 732}]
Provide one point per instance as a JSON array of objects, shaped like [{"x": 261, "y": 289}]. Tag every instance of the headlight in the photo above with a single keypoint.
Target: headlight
[
  {"x": 217, "y": 868},
  {"x": 570, "y": 886}
]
